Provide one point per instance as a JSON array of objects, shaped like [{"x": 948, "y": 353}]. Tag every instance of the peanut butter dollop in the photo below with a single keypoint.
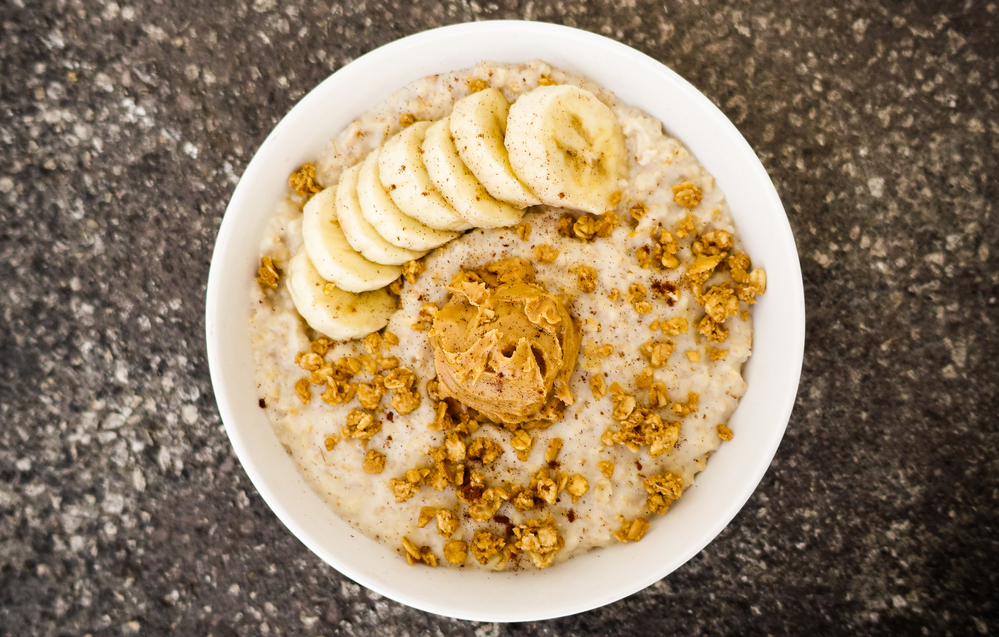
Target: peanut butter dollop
[{"x": 505, "y": 346}]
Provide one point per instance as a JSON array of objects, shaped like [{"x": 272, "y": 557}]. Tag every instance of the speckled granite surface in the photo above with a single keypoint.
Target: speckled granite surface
[{"x": 123, "y": 128}]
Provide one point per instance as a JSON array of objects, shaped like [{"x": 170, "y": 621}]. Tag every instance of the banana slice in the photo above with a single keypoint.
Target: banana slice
[
  {"x": 331, "y": 253},
  {"x": 401, "y": 170},
  {"x": 478, "y": 125},
  {"x": 360, "y": 235},
  {"x": 391, "y": 223},
  {"x": 339, "y": 314},
  {"x": 565, "y": 144},
  {"x": 459, "y": 186}
]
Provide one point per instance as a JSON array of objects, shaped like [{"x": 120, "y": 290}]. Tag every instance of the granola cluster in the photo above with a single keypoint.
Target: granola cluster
[
  {"x": 303, "y": 182},
  {"x": 341, "y": 382}
]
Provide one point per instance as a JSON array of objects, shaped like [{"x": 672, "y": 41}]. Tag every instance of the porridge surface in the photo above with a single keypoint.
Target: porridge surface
[{"x": 608, "y": 321}]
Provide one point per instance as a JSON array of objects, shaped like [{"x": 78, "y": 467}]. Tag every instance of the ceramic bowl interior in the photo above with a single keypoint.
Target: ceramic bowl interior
[{"x": 598, "y": 577}]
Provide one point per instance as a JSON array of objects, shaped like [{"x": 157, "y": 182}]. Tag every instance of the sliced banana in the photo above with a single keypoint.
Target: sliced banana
[
  {"x": 360, "y": 234},
  {"x": 459, "y": 186},
  {"x": 478, "y": 125},
  {"x": 565, "y": 144},
  {"x": 331, "y": 253},
  {"x": 339, "y": 314},
  {"x": 401, "y": 170},
  {"x": 391, "y": 223}
]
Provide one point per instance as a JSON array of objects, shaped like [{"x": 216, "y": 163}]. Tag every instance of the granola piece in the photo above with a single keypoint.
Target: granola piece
[
  {"x": 638, "y": 210},
  {"x": 606, "y": 468},
  {"x": 540, "y": 540},
  {"x": 426, "y": 514},
  {"x": 554, "y": 447},
  {"x": 636, "y": 292},
  {"x": 614, "y": 294},
  {"x": 675, "y": 326},
  {"x": 663, "y": 490},
  {"x": 406, "y": 402},
  {"x": 685, "y": 227},
  {"x": 615, "y": 198},
  {"x": 442, "y": 419},
  {"x": 485, "y": 450},
  {"x": 693, "y": 356},
  {"x": 713, "y": 330},
  {"x": 720, "y": 302},
  {"x": 439, "y": 477},
  {"x": 447, "y": 523},
  {"x": 597, "y": 386},
  {"x": 426, "y": 317},
  {"x": 668, "y": 242},
  {"x": 724, "y": 432},
  {"x": 267, "y": 274},
  {"x": 658, "y": 397},
  {"x": 717, "y": 354},
  {"x": 338, "y": 392},
  {"x": 374, "y": 462},
  {"x": 632, "y": 531},
  {"x": 647, "y": 428},
  {"x": 476, "y": 84},
  {"x": 521, "y": 442},
  {"x": 565, "y": 223},
  {"x": 716, "y": 242},
  {"x": 456, "y": 552},
  {"x": 642, "y": 307},
  {"x": 309, "y": 361},
  {"x": 546, "y": 488},
  {"x": 577, "y": 487},
  {"x": 472, "y": 484},
  {"x": 624, "y": 406},
  {"x": 455, "y": 447},
  {"x": 321, "y": 345},
  {"x": 544, "y": 253},
  {"x": 755, "y": 285},
  {"x": 416, "y": 554},
  {"x": 370, "y": 394},
  {"x": 330, "y": 442},
  {"x": 585, "y": 227},
  {"x": 373, "y": 343},
  {"x": 684, "y": 409},
  {"x": 522, "y": 499},
  {"x": 387, "y": 362},
  {"x": 360, "y": 426},
  {"x": 586, "y": 279},
  {"x": 368, "y": 363},
  {"x": 544, "y": 80},
  {"x": 483, "y": 509},
  {"x": 644, "y": 256},
  {"x": 486, "y": 544},
  {"x": 304, "y": 390},
  {"x": 523, "y": 230},
  {"x": 303, "y": 182},
  {"x": 606, "y": 223},
  {"x": 702, "y": 267},
  {"x": 687, "y": 194},
  {"x": 403, "y": 489},
  {"x": 645, "y": 378},
  {"x": 654, "y": 325},
  {"x": 395, "y": 287},
  {"x": 407, "y": 120},
  {"x": 658, "y": 352},
  {"x": 411, "y": 270},
  {"x": 399, "y": 378}
]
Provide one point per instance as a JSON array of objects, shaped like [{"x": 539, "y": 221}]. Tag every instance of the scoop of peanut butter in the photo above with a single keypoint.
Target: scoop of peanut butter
[{"x": 505, "y": 346}]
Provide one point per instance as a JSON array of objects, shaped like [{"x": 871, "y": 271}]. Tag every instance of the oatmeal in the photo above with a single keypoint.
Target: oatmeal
[{"x": 541, "y": 385}]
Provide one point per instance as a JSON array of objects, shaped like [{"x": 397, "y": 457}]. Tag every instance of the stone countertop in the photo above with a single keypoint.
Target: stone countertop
[{"x": 123, "y": 129}]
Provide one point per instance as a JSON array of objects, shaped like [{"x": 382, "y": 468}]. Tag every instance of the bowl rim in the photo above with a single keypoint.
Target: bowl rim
[{"x": 793, "y": 328}]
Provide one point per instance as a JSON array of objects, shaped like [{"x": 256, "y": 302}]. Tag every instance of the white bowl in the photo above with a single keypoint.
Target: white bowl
[{"x": 598, "y": 577}]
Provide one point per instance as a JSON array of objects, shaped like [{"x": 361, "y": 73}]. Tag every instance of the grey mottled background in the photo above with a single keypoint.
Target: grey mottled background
[{"x": 123, "y": 128}]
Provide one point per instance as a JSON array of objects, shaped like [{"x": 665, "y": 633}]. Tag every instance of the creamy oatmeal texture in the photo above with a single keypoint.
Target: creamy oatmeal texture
[{"x": 656, "y": 374}]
